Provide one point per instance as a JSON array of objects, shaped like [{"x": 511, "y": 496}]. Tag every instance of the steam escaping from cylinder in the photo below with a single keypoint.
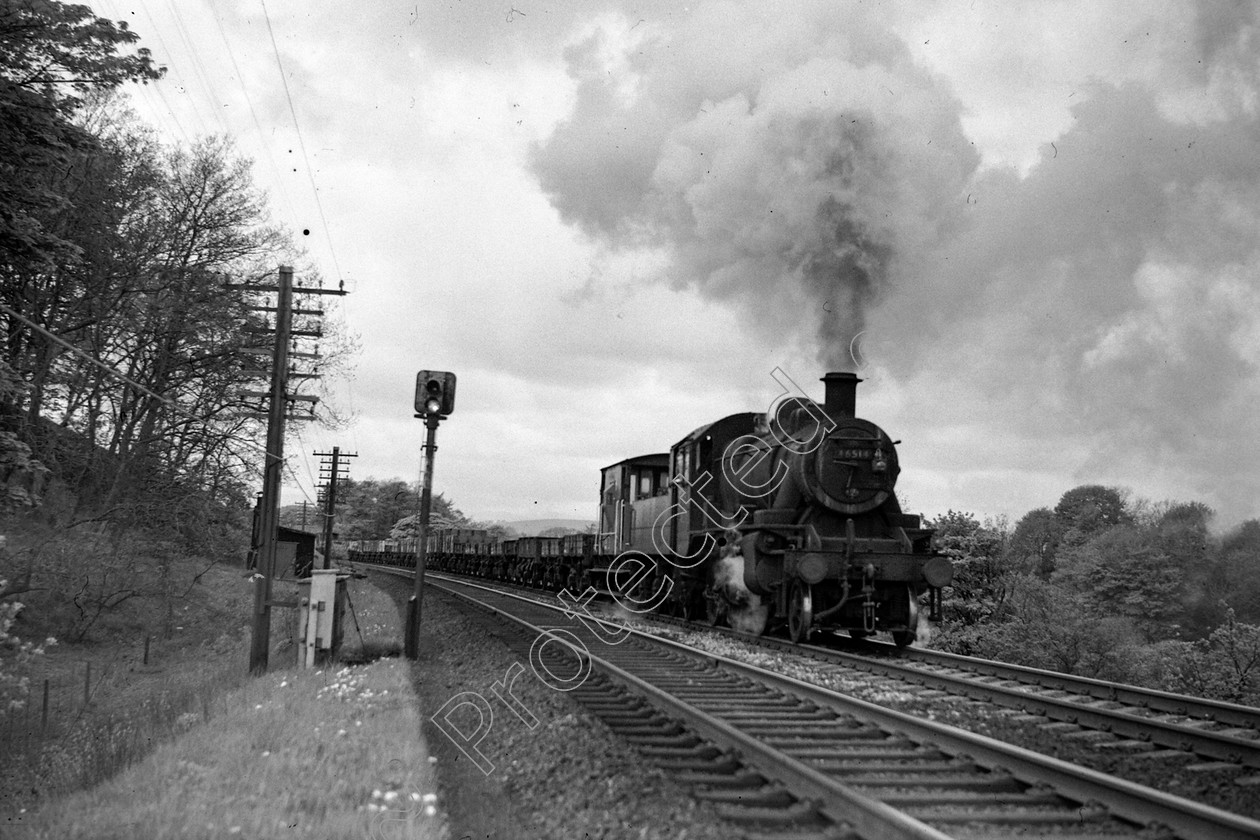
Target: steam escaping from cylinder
[
  {"x": 745, "y": 610},
  {"x": 923, "y": 633}
]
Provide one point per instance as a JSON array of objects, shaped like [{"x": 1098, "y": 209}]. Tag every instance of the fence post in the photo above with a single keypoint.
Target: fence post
[
  {"x": 87, "y": 684},
  {"x": 43, "y": 717}
]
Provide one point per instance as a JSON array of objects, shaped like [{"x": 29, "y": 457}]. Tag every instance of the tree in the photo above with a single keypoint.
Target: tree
[
  {"x": 1125, "y": 571},
  {"x": 1182, "y": 534},
  {"x": 1225, "y": 666},
  {"x": 51, "y": 56},
  {"x": 1234, "y": 578},
  {"x": 1084, "y": 511},
  {"x": 159, "y": 234},
  {"x": 372, "y": 509},
  {"x": 979, "y": 588},
  {"x": 14, "y": 685},
  {"x": 1051, "y": 627},
  {"x": 1035, "y": 542},
  {"x": 22, "y": 477},
  {"x": 117, "y": 248}
]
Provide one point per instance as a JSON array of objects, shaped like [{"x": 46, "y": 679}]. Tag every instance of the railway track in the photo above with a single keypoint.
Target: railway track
[
  {"x": 784, "y": 758},
  {"x": 1225, "y": 733}
]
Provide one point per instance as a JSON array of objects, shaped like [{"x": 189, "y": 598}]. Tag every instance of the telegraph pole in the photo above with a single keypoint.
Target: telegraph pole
[
  {"x": 268, "y": 521},
  {"x": 330, "y": 497},
  {"x": 279, "y": 402}
]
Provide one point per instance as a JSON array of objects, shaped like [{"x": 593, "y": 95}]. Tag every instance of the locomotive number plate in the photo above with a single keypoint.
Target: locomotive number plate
[{"x": 842, "y": 454}]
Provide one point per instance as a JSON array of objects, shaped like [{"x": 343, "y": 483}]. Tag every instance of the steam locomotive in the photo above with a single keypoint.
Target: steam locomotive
[{"x": 763, "y": 521}]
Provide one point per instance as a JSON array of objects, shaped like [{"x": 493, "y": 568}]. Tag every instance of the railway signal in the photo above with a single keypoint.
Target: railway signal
[
  {"x": 435, "y": 393},
  {"x": 435, "y": 399}
]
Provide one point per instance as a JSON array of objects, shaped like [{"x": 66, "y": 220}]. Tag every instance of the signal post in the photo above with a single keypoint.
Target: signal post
[{"x": 435, "y": 399}]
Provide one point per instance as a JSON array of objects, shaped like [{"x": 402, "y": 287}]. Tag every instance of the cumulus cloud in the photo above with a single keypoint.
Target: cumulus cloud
[{"x": 1108, "y": 301}]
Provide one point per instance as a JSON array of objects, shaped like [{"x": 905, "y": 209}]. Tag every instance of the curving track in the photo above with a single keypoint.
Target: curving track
[
  {"x": 1215, "y": 730},
  {"x": 788, "y": 759}
]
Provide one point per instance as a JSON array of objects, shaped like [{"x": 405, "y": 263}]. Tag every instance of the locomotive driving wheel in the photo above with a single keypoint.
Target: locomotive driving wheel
[
  {"x": 800, "y": 611},
  {"x": 905, "y": 638}
]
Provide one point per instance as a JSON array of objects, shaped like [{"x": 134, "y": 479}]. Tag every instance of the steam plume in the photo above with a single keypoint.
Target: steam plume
[{"x": 784, "y": 171}]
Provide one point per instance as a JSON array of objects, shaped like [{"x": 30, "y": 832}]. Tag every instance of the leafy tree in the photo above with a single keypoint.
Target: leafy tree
[
  {"x": 1035, "y": 542},
  {"x": 1124, "y": 571},
  {"x": 1234, "y": 580},
  {"x": 22, "y": 477},
  {"x": 1086, "y": 510},
  {"x": 1182, "y": 534},
  {"x": 51, "y": 56},
  {"x": 1046, "y": 626},
  {"x": 979, "y": 588},
  {"x": 440, "y": 516},
  {"x": 122, "y": 248},
  {"x": 1225, "y": 666},
  {"x": 372, "y": 509},
  {"x": 14, "y": 684}
]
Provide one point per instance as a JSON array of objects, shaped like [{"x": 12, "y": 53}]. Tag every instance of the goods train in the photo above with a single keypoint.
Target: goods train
[{"x": 763, "y": 521}]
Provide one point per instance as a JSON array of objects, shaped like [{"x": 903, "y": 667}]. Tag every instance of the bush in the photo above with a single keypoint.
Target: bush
[{"x": 15, "y": 656}]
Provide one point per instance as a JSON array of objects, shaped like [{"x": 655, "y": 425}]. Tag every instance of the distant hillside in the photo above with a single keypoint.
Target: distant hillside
[{"x": 532, "y": 527}]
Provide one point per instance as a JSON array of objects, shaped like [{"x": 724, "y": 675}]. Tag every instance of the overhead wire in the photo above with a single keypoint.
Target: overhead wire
[
  {"x": 171, "y": 70},
  {"x": 307, "y": 461},
  {"x": 161, "y": 109},
  {"x": 253, "y": 113},
  {"x": 310, "y": 173},
  {"x": 198, "y": 67}
]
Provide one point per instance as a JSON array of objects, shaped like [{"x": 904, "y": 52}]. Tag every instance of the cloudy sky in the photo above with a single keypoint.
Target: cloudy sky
[{"x": 1033, "y": 227}]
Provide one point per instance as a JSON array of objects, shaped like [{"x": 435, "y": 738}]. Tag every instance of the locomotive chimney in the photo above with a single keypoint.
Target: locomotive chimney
[{"x": 841, "y": 394}]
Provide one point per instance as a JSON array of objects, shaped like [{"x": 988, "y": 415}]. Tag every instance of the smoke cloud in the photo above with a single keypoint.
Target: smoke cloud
[
  {"x": 781, "y": 161},
  {"x": 1098, "y": 309}
]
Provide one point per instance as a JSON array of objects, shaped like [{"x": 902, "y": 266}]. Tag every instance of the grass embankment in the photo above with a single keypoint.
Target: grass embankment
[
  {"x": 331, "y": 752},
  {"x": 198, "y": 649}
]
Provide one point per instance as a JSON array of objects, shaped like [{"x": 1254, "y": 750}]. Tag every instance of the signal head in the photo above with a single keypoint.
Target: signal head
[{"x": 435, "y": 393}]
